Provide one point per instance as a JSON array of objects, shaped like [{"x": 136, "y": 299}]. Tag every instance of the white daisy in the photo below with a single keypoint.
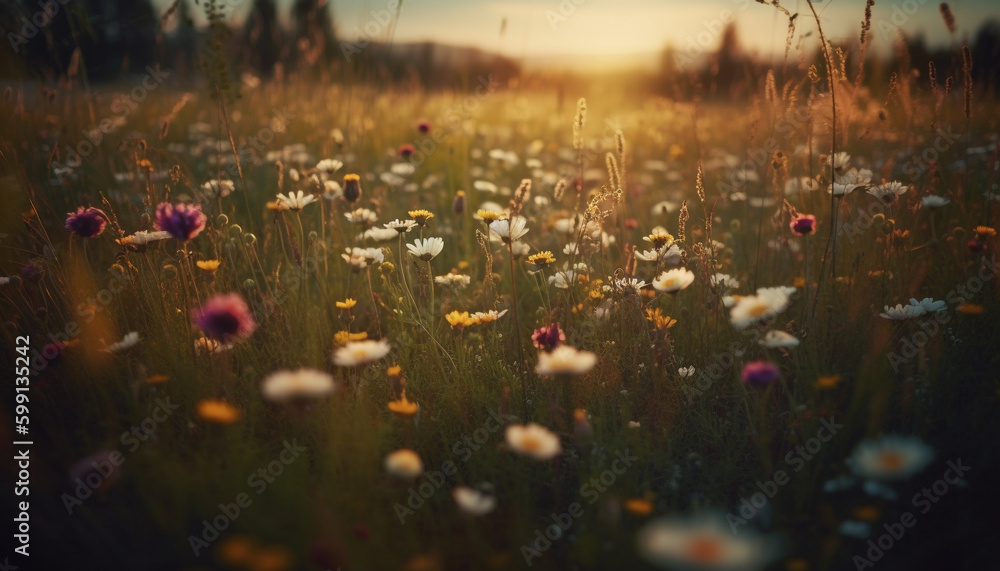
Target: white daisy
[
  {"x": 673, "y": 281},
  {"x": 627, "y": 286},
  {"x": 849, "y": 181},
  {"x": 329, "y": 166},
  {"x": 426, "y": 249},
  {"x": 564, "y": 279},
  {"x": 888, "y": 192},
  {"x": 928, "y": 305},
  {"x": 401, "y": 226},
  {"x": 296, "y": 201},
  {"x": 510, "y": 230}
]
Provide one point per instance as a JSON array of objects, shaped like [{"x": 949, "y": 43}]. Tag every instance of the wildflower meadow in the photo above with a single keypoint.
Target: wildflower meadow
[{"x": 283, "y": 292}]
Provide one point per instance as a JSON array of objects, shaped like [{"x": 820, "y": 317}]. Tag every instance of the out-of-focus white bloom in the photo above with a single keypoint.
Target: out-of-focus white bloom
[
  {"x": 533, "y": 440},
  {"x": 304, "y": 383},
  {"x": 934, "y": 201},
  {"x": 565, "y": 360},
  {"x": 779, "y": 339},
  {"x": 704, "y": 542},
  {"x": 143, "y": 237},
  {"x": 890, "y": 458},
  {"x": 218, "y": 188},
  {"x": 724, "y": 283},
  {"x": 456, "y": 281},
  {"x": 473, "y": 502},
  {"x": 127, "y": 342},
  {"x": 356, "y": 353},
  {"x": 850, "y": 180},
  {"x": 404, "y": 464},
  {"x": 361, "y": 216},
  {"x": 767, "y": 303},
  {"x": 686, "y": 372},
  {"x": 379, "y": 234},
  {"x": 794, "y": 186}
]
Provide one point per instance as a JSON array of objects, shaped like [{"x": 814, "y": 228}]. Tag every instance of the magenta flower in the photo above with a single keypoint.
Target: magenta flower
[
  {"x": 548, "y": 338},
  {"x": 424, "y": 127},
  {"x": 225, "y": 317},
  {"x": 87, "y": 222},
  {"x": 803, "y": 224},
  {"x": 760, "y": 373},
  {"x": 406, "y": 150},
  {"x": 183, "y": 221}
]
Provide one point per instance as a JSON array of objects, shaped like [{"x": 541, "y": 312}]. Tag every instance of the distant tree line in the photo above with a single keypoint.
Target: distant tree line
[
  {"x": 728, "y": 72},
  {"x": 105, "y": 39}
]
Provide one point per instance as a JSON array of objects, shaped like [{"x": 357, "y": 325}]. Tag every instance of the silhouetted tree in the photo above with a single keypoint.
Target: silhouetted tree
[
  {"x": 313, "y": 30},
  {"x": 262, "y": 37}
]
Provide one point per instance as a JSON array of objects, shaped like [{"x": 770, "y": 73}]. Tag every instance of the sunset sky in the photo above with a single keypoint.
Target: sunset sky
[{"x": 613, "y": 28}]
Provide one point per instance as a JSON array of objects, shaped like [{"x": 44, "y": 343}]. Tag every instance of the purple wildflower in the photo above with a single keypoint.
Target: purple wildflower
[
  {"x": 183, "y": 221},
  {"x": 87, "y": 222},
  {"x": 760, "y": 373},
  {"x": 548, "y": 338},
  {"x": 225, "y": 317}
]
